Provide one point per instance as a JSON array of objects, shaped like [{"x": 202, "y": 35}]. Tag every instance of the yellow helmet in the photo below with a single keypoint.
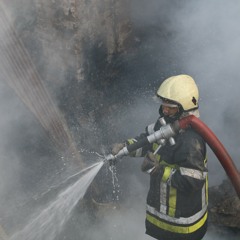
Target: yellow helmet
[{"x": 180, "y": 89}]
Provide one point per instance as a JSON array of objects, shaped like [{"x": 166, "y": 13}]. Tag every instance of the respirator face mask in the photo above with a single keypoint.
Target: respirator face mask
[{"x": 173, "y": 111}]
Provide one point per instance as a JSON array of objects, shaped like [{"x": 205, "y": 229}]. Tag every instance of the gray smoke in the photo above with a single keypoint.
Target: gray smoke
[
  {"x": 208, "y": 38},
  {"x": 200, "y": 38},
  {"x": 204, "y": 43}
]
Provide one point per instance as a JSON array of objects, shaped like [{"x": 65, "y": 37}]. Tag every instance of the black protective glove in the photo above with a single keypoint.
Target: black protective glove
[{"x": 151, "y": 164}]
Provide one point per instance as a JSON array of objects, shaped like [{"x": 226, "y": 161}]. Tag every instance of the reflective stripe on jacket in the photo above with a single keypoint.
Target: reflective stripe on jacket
[{"x": 178, "y": 196}]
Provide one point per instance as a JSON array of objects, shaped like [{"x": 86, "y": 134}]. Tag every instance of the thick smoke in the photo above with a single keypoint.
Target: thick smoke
[
  {"x": 204, "y": 42},
  {"x": 199, "y": 38},
  {"x": 207, "y": 40},
  {"x": 29, "y": 164}
]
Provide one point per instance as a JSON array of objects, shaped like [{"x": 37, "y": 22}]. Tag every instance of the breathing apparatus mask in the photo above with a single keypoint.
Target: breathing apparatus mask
[
  {"x": 170, "y": 104},
  {"x": 178, "y": 91}
]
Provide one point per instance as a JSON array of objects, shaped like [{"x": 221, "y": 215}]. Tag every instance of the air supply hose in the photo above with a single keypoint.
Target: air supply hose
[{"x": 215, "y": 145}]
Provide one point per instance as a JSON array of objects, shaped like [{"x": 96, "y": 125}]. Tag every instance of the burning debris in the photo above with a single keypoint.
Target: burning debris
[{"x": 224, "y": 207}]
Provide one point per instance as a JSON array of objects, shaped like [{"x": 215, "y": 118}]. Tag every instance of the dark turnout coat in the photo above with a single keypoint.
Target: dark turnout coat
[{"x": 178, "y": 195}]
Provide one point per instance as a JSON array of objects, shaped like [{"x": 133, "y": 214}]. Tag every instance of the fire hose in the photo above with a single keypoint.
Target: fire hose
[{"x": 169, "y": 130}]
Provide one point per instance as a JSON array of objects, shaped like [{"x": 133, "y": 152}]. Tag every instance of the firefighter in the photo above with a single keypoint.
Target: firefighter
[{"x": 178, "y": 196}]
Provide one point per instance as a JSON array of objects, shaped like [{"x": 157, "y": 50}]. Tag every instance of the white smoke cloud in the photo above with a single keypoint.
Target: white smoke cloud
[{"x": 205, "y": 42}]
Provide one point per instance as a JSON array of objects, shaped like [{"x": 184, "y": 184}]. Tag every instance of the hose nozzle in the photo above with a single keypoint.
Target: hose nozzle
[
  {"x": 121, "y": 153},
  {"x": 165, "y": 132},
  {"x": 109, "y": 157}
]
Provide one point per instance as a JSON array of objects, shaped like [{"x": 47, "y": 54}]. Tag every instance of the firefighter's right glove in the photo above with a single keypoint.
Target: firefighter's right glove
[
  {"x": 151, "y": 164},
  {"x": 117, "y": 147}
]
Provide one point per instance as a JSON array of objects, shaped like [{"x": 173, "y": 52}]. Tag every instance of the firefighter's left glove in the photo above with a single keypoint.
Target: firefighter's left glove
[
  {"x": 151, "y": 164},
  {"x": 117, "y": 147}
]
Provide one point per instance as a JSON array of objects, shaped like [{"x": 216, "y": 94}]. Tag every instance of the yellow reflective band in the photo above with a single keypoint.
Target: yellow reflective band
[
  {"x": 172, "y": 201},
  {"x": 166, "y": 174},
  {"x": 163, "y": 163},
  {"x": 130, "y": 141},
  {"x": 158, "y": 157},
  {"x": 205, "y": 162},
  {"x": 155, "y": 146},
  {"x": 177, "y": 229}
]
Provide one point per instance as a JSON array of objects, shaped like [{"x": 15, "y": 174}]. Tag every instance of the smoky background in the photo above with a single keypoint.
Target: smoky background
[
  {"x": 204, "y": 43},
  {"x": 199, "y": 38}
]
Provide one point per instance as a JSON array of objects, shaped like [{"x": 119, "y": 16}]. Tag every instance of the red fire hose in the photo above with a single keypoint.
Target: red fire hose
[{"x": 216, "y": 147}]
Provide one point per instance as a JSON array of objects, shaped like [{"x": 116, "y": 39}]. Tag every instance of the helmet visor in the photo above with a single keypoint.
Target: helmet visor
[{"x": 167, "y": 103}]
